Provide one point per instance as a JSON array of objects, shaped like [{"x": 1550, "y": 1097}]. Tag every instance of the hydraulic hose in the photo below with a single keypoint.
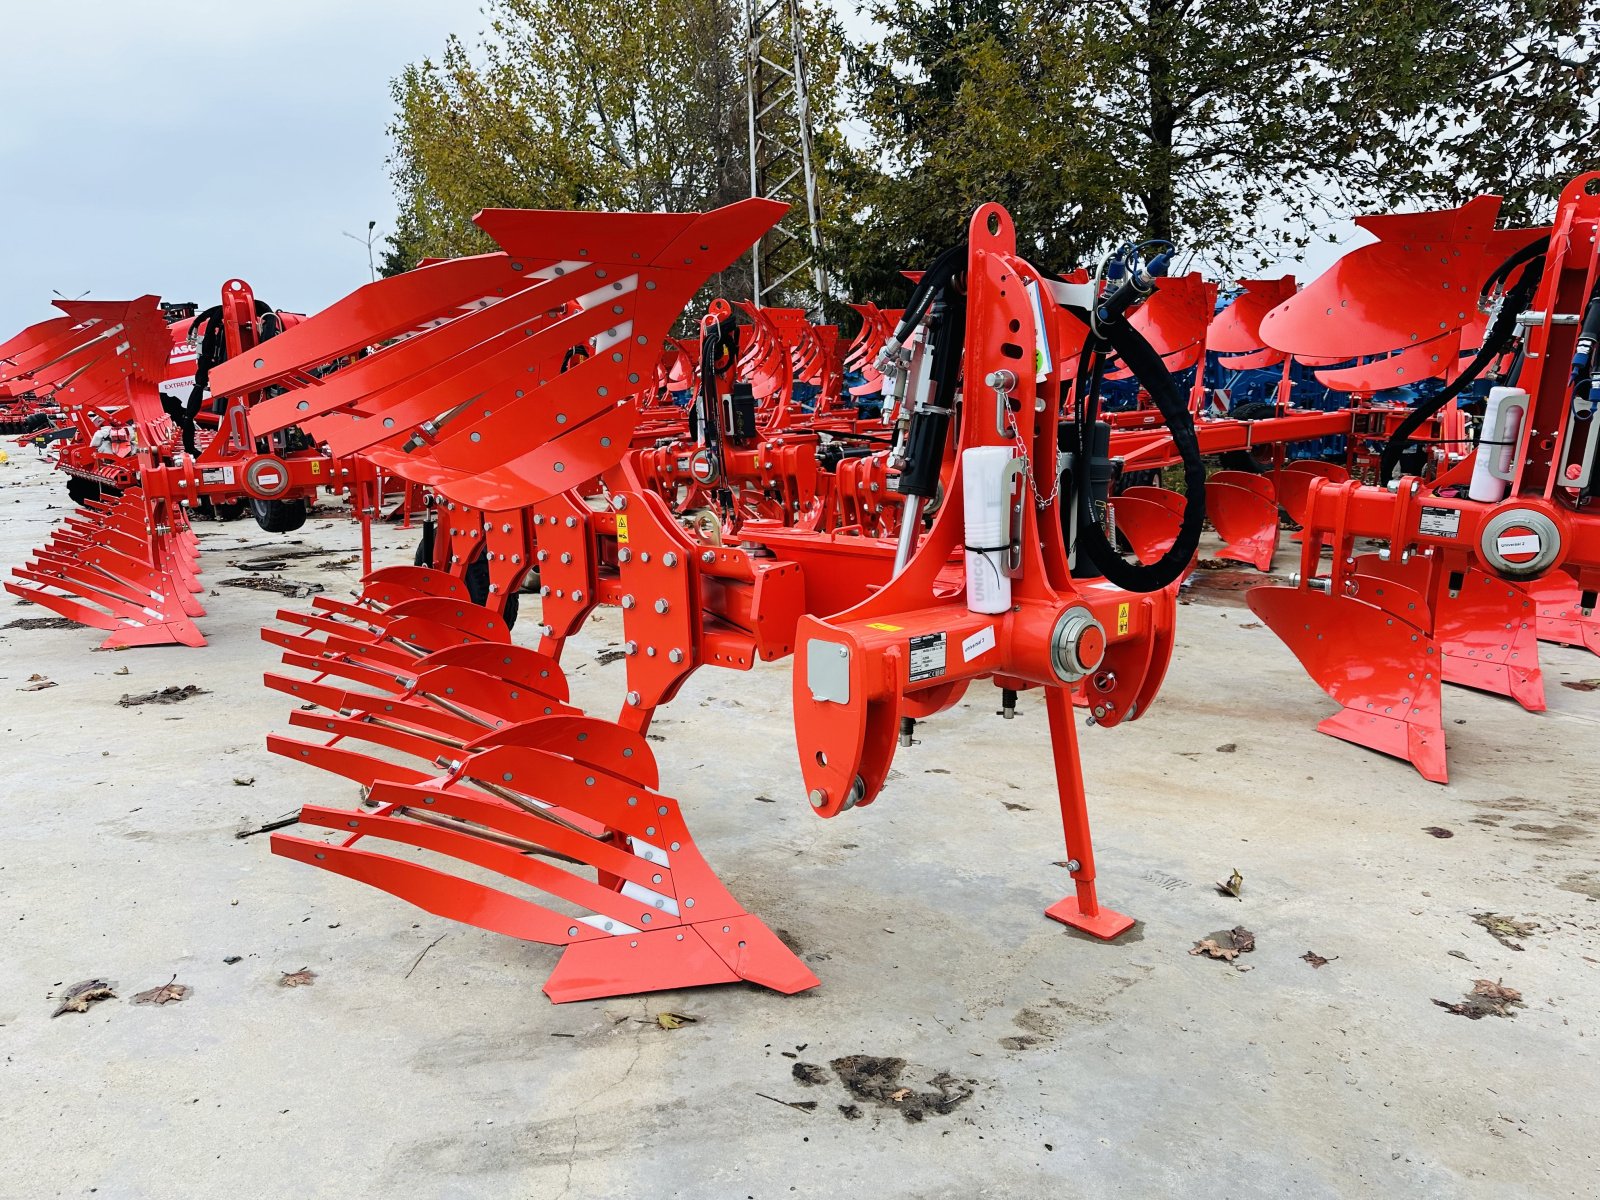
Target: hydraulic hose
[
  {"x": 1495, "y": 342},
  {"x": 1139, "y": 357}
]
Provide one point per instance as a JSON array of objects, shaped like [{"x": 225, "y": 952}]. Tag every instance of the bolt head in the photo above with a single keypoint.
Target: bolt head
[{"x": 818, "y": 797}]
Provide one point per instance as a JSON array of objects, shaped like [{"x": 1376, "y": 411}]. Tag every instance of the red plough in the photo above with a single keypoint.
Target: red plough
[
  {"x": 469, "y": 745},
  {"x": 1487, "y": 551}
]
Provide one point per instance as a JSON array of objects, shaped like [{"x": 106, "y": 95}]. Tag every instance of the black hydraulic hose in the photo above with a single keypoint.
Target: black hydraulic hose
[
  {"x": 1495, "y": 342},
  {"x": 933, "y": 279},
  {"x": 1139, "y": 357}
]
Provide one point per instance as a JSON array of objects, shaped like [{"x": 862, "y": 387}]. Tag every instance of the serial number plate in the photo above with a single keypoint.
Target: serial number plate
[
  {"x": 1439, "y": 522},
  {"x": 928, "y": 652}
]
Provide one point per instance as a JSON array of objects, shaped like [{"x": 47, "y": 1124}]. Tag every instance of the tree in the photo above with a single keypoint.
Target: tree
[
  {"x": 962, "y": 102},
  {"x": 1235, "y": 127},
  {"x": 568, "y": 104}
]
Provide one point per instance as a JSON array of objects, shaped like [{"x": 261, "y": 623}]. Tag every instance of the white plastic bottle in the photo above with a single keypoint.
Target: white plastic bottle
[
  {"x": 1503, "y": 415},
  {"x": 986, "y": 494}
]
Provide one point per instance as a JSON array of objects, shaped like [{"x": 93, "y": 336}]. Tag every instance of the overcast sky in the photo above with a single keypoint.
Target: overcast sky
[{"x": 167, "y": 146}]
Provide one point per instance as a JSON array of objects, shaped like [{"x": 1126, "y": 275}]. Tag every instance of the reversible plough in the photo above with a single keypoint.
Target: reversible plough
[
  {"x": 1486, "y": 549},
  {"x": 117, "y": 393},
  {"x": 523, "y": 420},
  {"x": 948, "y": 499}
]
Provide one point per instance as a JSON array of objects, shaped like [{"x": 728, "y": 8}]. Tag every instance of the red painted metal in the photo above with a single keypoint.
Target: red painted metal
[
  {"x": 473, "y": 753},
  {"x": 1481, "y": 581},
  {"x": 1244, "y": 511}
]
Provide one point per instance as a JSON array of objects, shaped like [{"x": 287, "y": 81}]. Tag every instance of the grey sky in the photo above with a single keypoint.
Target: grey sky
[
  {"x": 168, "y": 146},
  {"x": 165, "y": 147}
]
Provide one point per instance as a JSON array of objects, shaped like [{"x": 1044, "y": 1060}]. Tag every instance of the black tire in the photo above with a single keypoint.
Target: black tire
[
  {"x": 233, "y": 510},
  {"x": 279, "y": 516},
  {"x": 83, "y": 490}
]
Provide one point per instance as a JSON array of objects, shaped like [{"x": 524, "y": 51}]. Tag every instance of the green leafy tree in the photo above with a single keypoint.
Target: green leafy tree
[
  {"x": 1236, "y": 127},
  {"x": 567, "y": 104}
]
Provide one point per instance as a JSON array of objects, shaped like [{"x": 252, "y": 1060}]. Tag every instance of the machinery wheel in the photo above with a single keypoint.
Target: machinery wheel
[
  {"x": 279, "y": 516},
  {"x": 83, "y": 490}
]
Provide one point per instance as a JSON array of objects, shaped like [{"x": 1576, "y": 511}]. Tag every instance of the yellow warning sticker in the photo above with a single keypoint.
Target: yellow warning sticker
[
  {"x": 1122, "y": 620},
  {"x": 885, "y": 628},
  {"x": 316, "y": 467},
  {"x": 622, "y": 528}
]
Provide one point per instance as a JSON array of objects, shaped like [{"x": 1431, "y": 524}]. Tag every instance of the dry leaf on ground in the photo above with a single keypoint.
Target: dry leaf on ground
[
  {"x": 1226, "y": 944},
  {"x": 1233, "y": 887},
  {"x": 668, "y": 1020},
  {"x": 1488, "y": 998},
  {"x": 169, "y": 992},
  {"x": 80, "y": 996},
  {"x": 304, "y": 977},
  {"x": 1505, "y": 930}
]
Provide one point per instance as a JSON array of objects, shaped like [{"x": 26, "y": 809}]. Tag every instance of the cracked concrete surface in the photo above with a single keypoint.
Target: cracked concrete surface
[{"x": 1130, "y": 1069}]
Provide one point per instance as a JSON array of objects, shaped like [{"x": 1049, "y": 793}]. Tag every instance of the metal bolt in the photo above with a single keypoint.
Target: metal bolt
[
  {"x": 572, "y": 522},
  {"x": 708, "y": 557},
  {"x": 669, "y": 559},
  {"x": 565, "y": 559},
  {"x": 662, "y": 605},
  {"x": 630, "y": 648},
  {"x": 818, "y": 797},
  {"x": 633, "y": 699},
  {"x": 628, "y": 602},
  {"x": 675, "y": 656},
  {"x": 624, "y": 555}
]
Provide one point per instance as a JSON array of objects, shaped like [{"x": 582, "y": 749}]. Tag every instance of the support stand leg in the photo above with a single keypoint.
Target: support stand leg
[{"x": 1081, "y": 911}]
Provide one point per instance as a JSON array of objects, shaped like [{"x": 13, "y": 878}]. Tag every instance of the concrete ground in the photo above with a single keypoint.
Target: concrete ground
[{"x": 424, "y": 1061}]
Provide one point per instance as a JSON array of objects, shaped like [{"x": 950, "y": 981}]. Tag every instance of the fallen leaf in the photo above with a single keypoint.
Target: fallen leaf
[
  {"x": 80, "y": 996},
  {"x": 37, "y": 683},
  {"x": 1010, "y": 807},
  {"x": 1581, "y": 685},
  {"x": 169, "y": 992},
  {"x": 1505, "y": 930},
  {"x": 1226, "y": 945},
  {"x": 668, "y": 1020},
  {"x": 899, "y": 1095},
  {"x": 233, "y": 958},
  {"x": 1233, "y": 887},
  {"x": 1251, "y": 625},
  {"x": 120, "y": 671},
  {"x": 1438, "y": 831},
  {"x": 1227, "y": 747},
  {"x": 244, "y": 780},
  {"x": 166, "y": 695},
  {"x": 1488, "y": 998},
  {"x": 1316, "y": 960},
  {"x": 304, "y": 977}
]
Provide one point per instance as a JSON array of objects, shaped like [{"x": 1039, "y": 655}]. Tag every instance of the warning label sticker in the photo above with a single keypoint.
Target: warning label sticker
[
  {"x": 927, "y": 656},
  {"x": 1439, "y": 522},
  {"x": 216, "y": 475}
]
